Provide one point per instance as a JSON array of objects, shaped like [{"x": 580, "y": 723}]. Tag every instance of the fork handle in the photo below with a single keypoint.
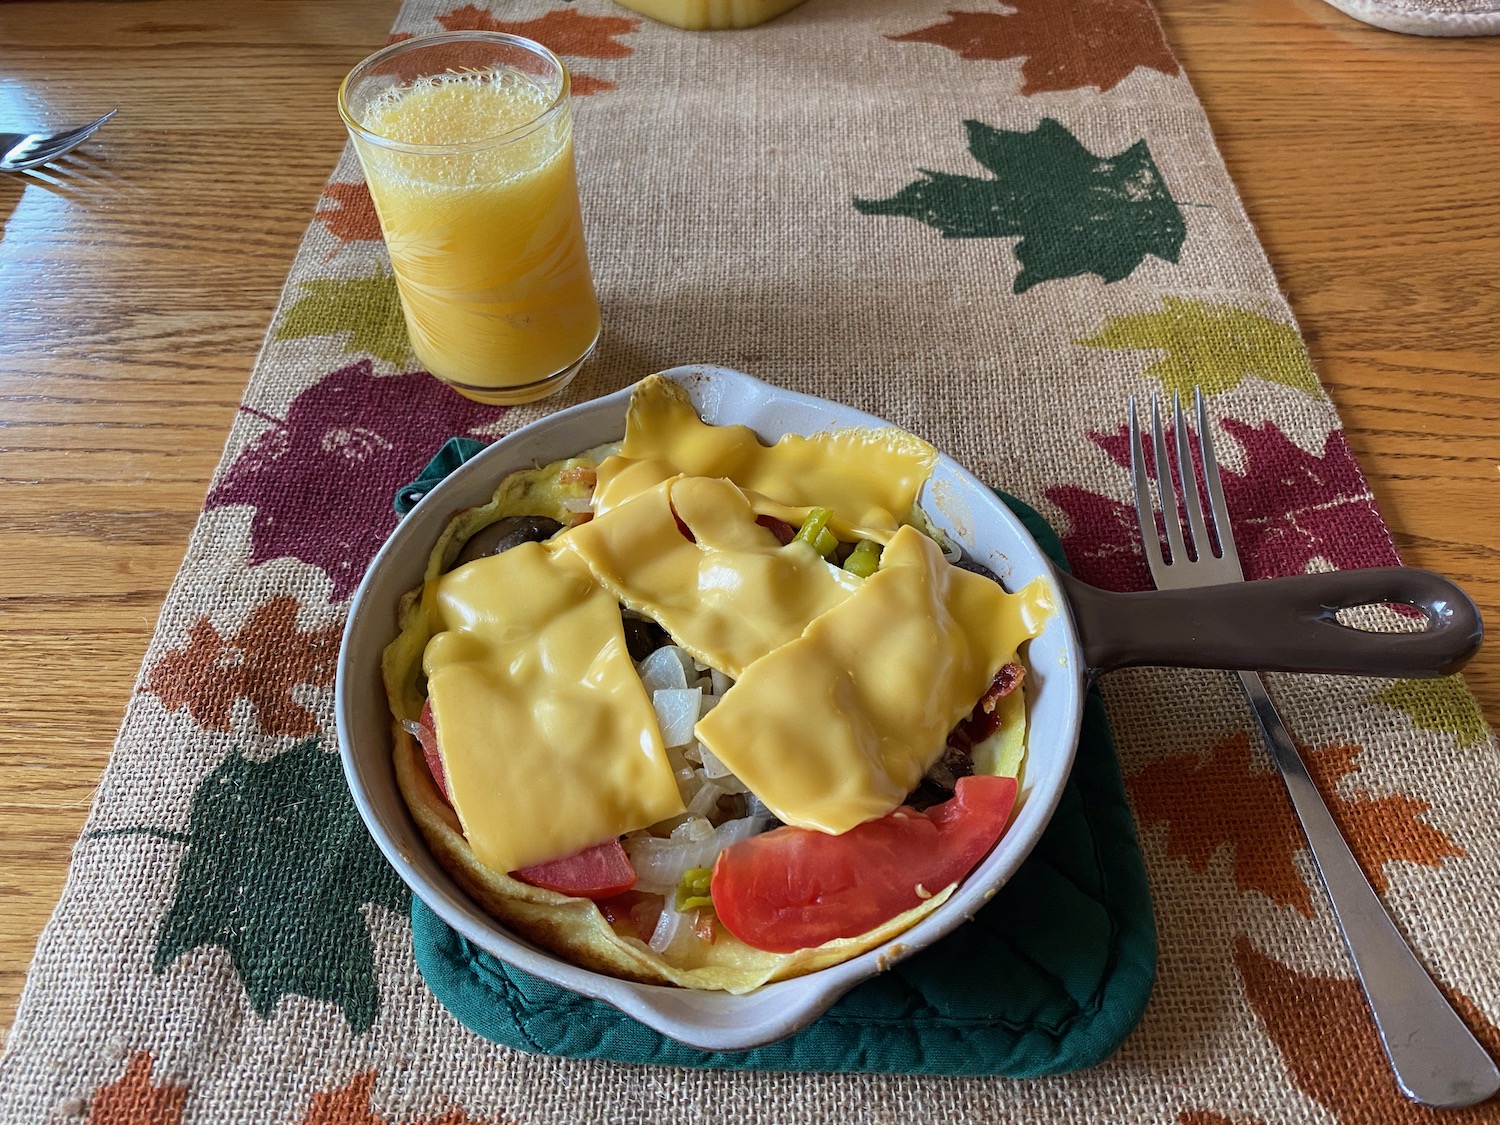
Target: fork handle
[
  {"x": 1436, "y": 1059},
  {"x": 1280, "y": 625}
]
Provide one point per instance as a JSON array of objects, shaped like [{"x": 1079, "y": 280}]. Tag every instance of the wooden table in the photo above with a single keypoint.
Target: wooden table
[{"x": 134, "y": 293}]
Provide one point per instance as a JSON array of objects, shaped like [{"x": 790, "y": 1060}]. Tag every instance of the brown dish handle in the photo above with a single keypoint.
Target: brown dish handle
[{"x": 1280, "y": 625}]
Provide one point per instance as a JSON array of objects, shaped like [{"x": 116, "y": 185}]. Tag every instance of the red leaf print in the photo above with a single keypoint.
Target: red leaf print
[
  {"x": 348, "y": 212},
  {"x": 1288, "y": 508},
  {"x": 322, "y": 480},
  {"x": 1067, "y": 44},
  {"x": 1103, "y": 542}
]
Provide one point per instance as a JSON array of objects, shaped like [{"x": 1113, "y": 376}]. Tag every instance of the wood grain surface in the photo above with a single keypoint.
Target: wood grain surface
[{"x": 135, "y": 287}]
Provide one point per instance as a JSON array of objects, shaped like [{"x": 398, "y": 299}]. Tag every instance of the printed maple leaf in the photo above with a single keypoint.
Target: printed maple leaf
[
  {"x": 1222, "y": 801},
  {"x": 1102, "y": 539},
  {"x": 1067, "y": 44},
  {"x": 262, "y": 662},
  {"x": 348, "y": 212},
  {"x": 368, "y": 308},
  {"x": 566, "y": 31},
  {"x": 133, "y": 1100},
  {"x": 1288, "y": 508},
  {"x": 277, "y": 871},
  {"x": 1074, "y": 212},
  {"x": 1444, "y": 705},
  {"x": 1212, "y": 346},
  {"x": 321, "y": 481},
  {"x": 350, "y": 1105},
  {"x": 1345, "y": 1071}
]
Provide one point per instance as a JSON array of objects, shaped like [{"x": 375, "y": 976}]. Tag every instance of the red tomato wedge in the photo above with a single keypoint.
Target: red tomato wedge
[
  {"x": 601, "y": 871},
  {"x": 793, "y": 888},
  {"x": 427, "y": 736}
]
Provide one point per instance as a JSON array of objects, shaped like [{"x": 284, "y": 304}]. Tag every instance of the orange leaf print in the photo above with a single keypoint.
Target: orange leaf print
[
  {"x": 348, "y": 212},
  {"x": 1223, "y": 801},
  {"x": 133, "y": 1100},
  {"x": 350, "y": 1105},
  {"x": 1067, "y": 44},
  {"x": 566, "y": 31},
  {"x": 262, "y": 662},
  {"x": 1345, "y": 1071},
  {"x": 1378, "y": 829}
]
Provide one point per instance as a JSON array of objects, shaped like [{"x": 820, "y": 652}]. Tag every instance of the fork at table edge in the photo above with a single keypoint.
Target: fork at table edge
[{"x": 1213, "y": 618}]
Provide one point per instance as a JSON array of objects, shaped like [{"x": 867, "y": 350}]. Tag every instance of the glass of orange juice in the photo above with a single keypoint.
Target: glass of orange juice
[{"x": 466, "y": 140}]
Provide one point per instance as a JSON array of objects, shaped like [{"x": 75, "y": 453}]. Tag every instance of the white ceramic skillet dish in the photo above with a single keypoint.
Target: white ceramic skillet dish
[{"x": 1090, "y": 631}]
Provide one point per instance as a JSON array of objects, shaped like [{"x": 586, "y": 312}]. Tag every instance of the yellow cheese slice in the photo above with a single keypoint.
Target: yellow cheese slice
[
  {"x": 869, "y": 477},
  {"x": 836, "y": 727},
  {"x": 730, "y": 597},
  {"x": 549, "y": 742}
]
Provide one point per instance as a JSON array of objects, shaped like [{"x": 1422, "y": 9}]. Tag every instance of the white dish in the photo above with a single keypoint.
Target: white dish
[{"x": 965, "y": 509}]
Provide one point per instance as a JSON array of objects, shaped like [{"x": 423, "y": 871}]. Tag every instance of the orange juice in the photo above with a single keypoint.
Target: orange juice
[
  {"x": 472, "y": 176},
  {"x": 711, "y": 15}
]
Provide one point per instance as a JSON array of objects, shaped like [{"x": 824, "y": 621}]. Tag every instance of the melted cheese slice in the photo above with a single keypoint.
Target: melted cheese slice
[
  {"x": 729, "y": 597},
  {"x": 549, "y": 741},
  {"x": 836, "y": 727},
  {"x": 868, "y": 477}
]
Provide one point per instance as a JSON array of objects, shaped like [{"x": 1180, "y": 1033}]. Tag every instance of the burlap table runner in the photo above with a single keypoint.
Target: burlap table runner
[{"x": 988, "y": 226}]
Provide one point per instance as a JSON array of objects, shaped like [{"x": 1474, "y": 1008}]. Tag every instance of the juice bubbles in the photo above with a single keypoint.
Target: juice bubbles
[{"x": 471, "y": 171}]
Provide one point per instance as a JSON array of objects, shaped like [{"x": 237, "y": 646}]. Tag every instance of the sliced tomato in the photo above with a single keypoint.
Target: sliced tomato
[
  {"x": 601, "y": 871},
  {"x": 427, "y": 736},
  {"x": 792, "y": 888}
]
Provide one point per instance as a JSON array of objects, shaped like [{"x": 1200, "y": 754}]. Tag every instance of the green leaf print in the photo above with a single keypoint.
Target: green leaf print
[
  {"x": 278, "y": 869},
  {"x": 1074, "y": 212},
  {"x": 1212, "y": 346},
  {"x": 1439, "y": 705},
  {"x": 367, "y": 308}
]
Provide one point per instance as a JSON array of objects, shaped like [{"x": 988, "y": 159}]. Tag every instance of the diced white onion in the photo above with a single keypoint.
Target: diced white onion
[
  {"x": 676, "y": 712},
  {"x": 712, "y": 766},
  {"x": 673, "y": 931},
  {"x": 578, "y": 503},
  {"x": 731, "y": 784},
  {"x": 412, "y": 728},
  {"x": 721, "y": 682},
  {"x": 706, "y": 800},
  {"x": 694, "y": 831},
  {"x": 659, "y": 864},
  {"x": 708, "y": 704},
  {"x": 662, "y": 670}
]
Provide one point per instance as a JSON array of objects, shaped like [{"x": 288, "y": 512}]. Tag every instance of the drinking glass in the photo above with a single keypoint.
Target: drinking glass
[{"x": 466, "y": 140}]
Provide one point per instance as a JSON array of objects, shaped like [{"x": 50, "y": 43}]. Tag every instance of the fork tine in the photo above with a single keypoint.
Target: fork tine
[
  {"x": 1166, "y": 487},
  {"x": 1191, "y": 499},
  {"x": 1218, "y": 505},
  {"x": 48, "y": 148},
  {"x": 1143, "y": 506}
]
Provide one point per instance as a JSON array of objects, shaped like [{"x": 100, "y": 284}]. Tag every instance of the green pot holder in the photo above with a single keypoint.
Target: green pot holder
[{"x": 1050, "y": 976}]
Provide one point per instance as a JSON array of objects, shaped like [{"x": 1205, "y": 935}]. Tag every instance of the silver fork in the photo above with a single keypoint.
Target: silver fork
[
  {"x": 19, "y": 151},
  {"x": 1436, "y": 1059}
]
